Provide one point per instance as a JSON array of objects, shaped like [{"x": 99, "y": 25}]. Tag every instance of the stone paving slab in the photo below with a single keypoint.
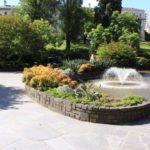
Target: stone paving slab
[{"x": 25, "y": 125}]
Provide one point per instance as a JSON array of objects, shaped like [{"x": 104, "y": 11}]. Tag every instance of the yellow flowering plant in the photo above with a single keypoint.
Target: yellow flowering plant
[{"x": 42, "y": 77}]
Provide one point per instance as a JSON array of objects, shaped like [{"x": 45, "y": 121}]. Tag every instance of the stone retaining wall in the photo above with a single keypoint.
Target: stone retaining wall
[{"x": 95, "y": 114}]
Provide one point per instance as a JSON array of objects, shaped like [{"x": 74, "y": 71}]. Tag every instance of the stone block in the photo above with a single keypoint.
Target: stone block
[
  {"x": 84, "y": 116},
  {"x": 73, "y": 106},
  {"x": 84, "y": 107},
  {"x": 72, "y": 115},
  {"x": 68, "y": 106},
  {"x": 78, "y": 105},
  {"x": 94, "y": 116},
  {"x": 77, "y": 117},
  {"x": 76, "y": 112}
]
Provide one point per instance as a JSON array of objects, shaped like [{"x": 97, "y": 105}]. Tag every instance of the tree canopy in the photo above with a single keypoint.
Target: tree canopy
[
  {"x": 69, "y": 16},
  {"x": 37, "y": 9},
  {"x": 104, "y": 10}
]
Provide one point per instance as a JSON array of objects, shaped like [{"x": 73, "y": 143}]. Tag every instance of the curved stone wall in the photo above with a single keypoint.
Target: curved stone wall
[{"x": 89, "y": 113}]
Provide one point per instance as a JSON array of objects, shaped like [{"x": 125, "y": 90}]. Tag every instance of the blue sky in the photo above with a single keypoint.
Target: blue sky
[
  {"x": 142, "y": 4},
  {"x": 11, "y": 2}
]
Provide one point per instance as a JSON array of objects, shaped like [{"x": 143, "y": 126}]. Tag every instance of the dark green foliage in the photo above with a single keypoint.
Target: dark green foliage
[
  {"x": 19, "y": 44},
  {"x": 104, "y": 64},
  {"x": 69, "y": 14},
  {"x": 96, "y": 37},
  {"x": 144, "y": 50},
  {"x": 132, "y": 39},
  {"x": 105, "y": 9},
  {"x": 124, "y": 27},
  {"x": 37, "y": 9},
  {"x": 121, "y": 53},
  {"x": 73, "y": 64},
  {"x": 78, "y": 53},
  {"x": 87, "y": 22},
  {"x": 59, "y": 53},
  {"x": 99, "y": 65},
  {"x": 143, "y": 63}
]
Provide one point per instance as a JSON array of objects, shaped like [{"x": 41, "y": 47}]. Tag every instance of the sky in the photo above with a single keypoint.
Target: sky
[{"x": 141, "y": 4}]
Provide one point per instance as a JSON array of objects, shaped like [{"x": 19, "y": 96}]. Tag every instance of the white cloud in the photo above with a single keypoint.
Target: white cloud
[{"x": 93, "y": 3}]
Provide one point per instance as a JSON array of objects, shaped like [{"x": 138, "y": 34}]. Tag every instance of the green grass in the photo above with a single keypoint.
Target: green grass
[
  {"x": 145, "y": 46},
  {"x": 63, "y": 46}
]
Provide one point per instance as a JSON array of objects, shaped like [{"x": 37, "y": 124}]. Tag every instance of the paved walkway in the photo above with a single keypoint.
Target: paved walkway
[{"x": 25, "y": 125}]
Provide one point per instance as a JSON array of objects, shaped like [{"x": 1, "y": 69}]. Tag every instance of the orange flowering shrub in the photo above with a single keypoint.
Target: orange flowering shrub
[
  {"x": 42, "y": 77},
  {"x": 85, "y": 67}
]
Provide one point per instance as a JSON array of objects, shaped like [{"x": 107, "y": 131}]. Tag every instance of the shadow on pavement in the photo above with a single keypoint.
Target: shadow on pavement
[
  {"x": 10, "y": 97},
  {"x": 143, "y": 121}
]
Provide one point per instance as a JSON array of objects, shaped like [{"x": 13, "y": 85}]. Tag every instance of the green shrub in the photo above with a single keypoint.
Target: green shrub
[
  {"x": 122, "y": 54},
  {"x": 143, "y": 63},
  {"x": 46, "y": 83},
  {"x": 44, "y": 29},
  {"x": 96, "y": 37},
  {"x": 78, "y": 53},
  {"x": 131, "y": 100},
  {"x": 73, "y": 64},
  {"x": 103, "y": 64},
  {"x": 84, "y": 94},
  {"x": 132, "y": 39},
  {"x": 18, "y": 42},
  {"x": 123, "y": 27}
]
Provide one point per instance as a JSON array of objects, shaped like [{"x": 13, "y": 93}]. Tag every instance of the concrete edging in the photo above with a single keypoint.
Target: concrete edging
[{"x": 114, "y": 115}]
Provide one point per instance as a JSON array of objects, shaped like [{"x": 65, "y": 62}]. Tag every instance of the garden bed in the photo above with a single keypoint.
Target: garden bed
[
  {"x": 92, "y": 75},
  {"x": 96, "y": 114}
]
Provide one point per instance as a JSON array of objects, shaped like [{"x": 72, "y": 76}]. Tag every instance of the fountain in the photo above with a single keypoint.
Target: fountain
[
  {"x": 122, "y": 75},
  {"x": 122, "y": 78},
  {"x": 119, "y": 82}
]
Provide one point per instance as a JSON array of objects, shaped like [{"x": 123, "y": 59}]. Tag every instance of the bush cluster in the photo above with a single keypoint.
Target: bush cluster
[
  {"x": 74, "y": 64},
  {"x": 20, "y": 45},
  {"x": 42, "y": 78},
  {"x": 122, "y": 54},
  {"x": 123, "y": 27},
  {"x": 82, "y": 66}
]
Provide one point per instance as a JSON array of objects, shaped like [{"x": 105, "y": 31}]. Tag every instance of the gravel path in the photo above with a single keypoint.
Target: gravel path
[{"x": 25, "y": 125}]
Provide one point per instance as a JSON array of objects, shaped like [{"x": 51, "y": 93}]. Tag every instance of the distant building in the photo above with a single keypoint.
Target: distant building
[
  {"x": 6, "y": 9},
  {"x": 141, "y": 14},
  {"x": 148, "y": 28}
]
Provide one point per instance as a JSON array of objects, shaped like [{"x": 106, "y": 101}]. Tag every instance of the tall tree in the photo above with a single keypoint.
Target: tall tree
[
  {"x": 37, "y": 9},
  {"x": 69, "y": 12},
  {"x": 104, "y": 10},
  {"x": 87, "y": 22}
]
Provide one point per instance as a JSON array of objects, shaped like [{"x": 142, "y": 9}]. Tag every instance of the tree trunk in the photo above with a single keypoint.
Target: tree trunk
[
  {"x": 67, "y": 41},
  {"x": 84, "y": 39}
]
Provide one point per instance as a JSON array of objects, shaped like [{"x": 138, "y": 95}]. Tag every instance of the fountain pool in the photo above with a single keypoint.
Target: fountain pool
[{"x": 119, "y": 82}]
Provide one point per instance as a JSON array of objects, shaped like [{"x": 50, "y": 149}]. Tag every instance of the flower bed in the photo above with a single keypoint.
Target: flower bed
[
  {"x": 64, "y": 95},
  {"x": 97, "y": 114}
]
